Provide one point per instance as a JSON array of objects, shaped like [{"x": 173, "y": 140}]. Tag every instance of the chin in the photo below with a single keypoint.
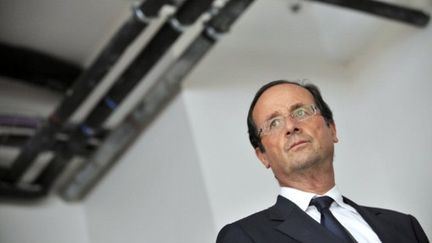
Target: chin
[{"x": 305, "y": 163}]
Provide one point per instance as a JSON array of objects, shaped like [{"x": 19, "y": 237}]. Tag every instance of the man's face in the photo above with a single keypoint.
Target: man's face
[{"x": 299, "y": 145}]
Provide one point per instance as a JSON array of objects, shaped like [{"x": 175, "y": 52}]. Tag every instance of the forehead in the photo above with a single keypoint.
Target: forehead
[{"x": 280, "y": 97}]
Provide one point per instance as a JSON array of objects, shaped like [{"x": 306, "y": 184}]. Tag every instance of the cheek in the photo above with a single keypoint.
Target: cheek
[
  {"x": 326, "y": 137},
  {"x": 320, "y": 134},
  {"x": 274, "y": 149},
  {"x": 273, "y": 143}
]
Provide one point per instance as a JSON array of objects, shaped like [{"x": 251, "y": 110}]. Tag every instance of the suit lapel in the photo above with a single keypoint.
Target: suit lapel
[
  {"x": 383, "y": 229},
  {"x": 297, "y": 224}
]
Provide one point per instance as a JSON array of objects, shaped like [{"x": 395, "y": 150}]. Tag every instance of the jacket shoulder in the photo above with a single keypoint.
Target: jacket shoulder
[
  {"x": 242, "y": 230},
  {"x": 400, "y": 221},
  {"x": 233, "y": 233},
  {"x": 390, "y": 212}
]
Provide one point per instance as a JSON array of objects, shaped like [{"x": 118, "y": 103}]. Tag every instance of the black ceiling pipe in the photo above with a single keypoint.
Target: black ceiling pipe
[
  {"x": 18, "y": 140},
  {"x": 387, "y": 10},
  {"x": 28, "y": 125},
  {"x": 140, "y": 19},
  {"x": 20, "y": 121},
  {"x": 8, "y": 191},
  {"x": 186, "y": 15},
  {"x": 13, "y": 140},
  {"x": 37, "y": 68},
  {"x": 154, "y": 101},
  {"x": 26, "y": 191},
  {"x": 84, "y": 86}
]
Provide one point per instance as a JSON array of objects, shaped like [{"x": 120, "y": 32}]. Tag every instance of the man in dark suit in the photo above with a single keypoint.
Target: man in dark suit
[{"x": 293, "y": 133}]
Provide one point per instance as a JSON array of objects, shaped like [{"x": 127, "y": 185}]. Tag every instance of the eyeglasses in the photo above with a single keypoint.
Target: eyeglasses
[{"x": 275, "y": 124}]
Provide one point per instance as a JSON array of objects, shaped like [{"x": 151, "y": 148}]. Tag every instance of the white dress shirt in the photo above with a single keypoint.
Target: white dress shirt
[{"x": 344, "y": 213}]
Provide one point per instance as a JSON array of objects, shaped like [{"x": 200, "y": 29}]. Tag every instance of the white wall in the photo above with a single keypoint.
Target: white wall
[
  {"x": 47, "y": 221},
  {"x": 155, "y": 193},
  {"x": 389, "y": 134}
]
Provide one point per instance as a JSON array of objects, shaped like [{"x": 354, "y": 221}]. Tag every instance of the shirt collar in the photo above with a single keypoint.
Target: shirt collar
[
  {"x": 302, "y": 199},
  {"x": 337, "y": 197}
]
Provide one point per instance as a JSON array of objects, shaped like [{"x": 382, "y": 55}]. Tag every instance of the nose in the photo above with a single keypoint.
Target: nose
[{"x": 291, "y": 127}]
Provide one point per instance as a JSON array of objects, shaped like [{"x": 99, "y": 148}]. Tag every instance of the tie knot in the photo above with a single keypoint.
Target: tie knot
[{"x": 321, "y": 202}]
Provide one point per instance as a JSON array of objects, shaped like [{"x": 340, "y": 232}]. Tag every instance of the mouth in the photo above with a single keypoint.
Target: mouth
[{"x": 296, "y": 144}]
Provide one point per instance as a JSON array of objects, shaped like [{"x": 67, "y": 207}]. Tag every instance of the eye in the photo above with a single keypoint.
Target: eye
[
  {"x": 275, "y": 122},
  {"x": 300, "y": 113}
]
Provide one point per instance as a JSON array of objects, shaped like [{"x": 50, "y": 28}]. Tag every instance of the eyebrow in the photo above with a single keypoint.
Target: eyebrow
[
  {"x": 272, "y": 115},
  {"x": 278, "y": 113}
]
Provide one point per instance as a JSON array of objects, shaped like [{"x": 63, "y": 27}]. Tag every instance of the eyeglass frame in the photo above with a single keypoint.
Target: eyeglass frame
[{"x": 314, "y": 108}]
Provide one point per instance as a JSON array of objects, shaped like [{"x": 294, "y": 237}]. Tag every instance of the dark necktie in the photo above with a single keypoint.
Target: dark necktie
[{"x": 328, "y": 220}]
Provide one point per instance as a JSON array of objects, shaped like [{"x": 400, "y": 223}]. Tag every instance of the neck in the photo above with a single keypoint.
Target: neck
[{"x": 318, "y": 181}]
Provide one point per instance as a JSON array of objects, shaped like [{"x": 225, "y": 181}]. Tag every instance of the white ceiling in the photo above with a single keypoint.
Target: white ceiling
[
  {"x": 75, "y": 30},
  {"x": 64, "y": 28}
]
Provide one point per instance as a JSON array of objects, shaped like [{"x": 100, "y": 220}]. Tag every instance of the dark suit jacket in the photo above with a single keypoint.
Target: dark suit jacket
[{"x": 285, "y": 222}]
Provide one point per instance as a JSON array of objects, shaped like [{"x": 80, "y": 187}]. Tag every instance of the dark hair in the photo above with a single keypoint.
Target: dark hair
[{"x": 319, "y": 102}]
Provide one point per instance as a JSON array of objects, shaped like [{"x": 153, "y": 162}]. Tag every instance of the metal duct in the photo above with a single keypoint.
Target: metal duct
[
  {"x": 20, "y": 121},
  {"x": 387, "y": 10},
  {"x": 18, "y": 140},
  {"x": 37, "y": 68},
  {"x": 83, "y": 87},
  {"x": 153, "y": 102},
  {"x": 186, "y": 15}
]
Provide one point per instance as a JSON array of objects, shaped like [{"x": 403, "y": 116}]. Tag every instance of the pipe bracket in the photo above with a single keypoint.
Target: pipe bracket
[
  {"x": 110, "y": 103},
  {"x": 179, "y": 27},
  {"x": 139, "y": 14},
  {"x": 213, "y": 33},
  {"x": 87, "y": 130}
]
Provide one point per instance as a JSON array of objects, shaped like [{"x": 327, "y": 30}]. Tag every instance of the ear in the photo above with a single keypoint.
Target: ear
[
  {"x": 262, "y": 156},
  {"x": 334, "y": 133}
]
